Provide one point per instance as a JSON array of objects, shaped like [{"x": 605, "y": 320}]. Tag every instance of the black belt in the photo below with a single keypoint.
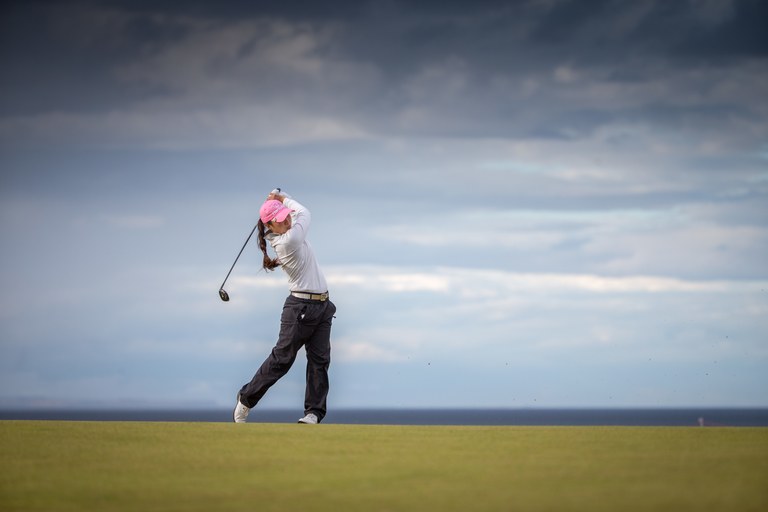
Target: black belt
[{"x": 322, "y": 297}]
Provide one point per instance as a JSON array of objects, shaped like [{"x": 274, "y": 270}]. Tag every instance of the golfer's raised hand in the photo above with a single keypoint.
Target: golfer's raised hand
[{"x": 278, "y": 196}]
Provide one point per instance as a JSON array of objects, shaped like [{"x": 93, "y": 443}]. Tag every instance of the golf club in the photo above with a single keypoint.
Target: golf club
[{"x": 222, "y": 293}]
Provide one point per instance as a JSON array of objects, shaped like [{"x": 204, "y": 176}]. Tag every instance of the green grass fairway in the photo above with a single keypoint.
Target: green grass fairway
[{"x": 112, "y": 466}]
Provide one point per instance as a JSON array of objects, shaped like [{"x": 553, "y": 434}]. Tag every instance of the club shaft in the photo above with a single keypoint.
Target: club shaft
[{"x": 238, "y": 255}]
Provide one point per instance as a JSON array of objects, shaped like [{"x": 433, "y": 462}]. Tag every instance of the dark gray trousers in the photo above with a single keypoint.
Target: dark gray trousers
[{"x": 304, "y": 323}]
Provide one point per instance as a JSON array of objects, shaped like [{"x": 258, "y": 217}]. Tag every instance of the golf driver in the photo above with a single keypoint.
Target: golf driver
[{"x": 222, "y": 292}]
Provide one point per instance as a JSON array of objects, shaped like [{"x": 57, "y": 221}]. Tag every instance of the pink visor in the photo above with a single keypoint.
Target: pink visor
[{"x": 273, "y": 210}]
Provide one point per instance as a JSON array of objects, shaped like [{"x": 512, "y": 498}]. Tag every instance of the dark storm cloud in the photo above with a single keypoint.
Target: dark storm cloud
[
  {"x": 245, "y": 74},
  {"x": 61, "y": 54},
  {"x": 687, "y": 29}
]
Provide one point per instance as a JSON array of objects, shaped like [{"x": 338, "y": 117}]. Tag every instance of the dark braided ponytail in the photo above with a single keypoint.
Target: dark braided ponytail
[{"x": 268, "y": 263}]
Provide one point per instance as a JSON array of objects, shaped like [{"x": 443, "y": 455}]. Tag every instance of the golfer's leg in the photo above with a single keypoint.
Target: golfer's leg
[
  {"x": 318, "y": 349},
  {"x": 279, "y": 360}
]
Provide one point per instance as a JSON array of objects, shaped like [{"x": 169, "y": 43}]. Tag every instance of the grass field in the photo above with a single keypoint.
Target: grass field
[{"x": 106, "y": 466}]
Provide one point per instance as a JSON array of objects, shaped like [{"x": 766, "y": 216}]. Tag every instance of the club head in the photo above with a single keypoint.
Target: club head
[{"x": 224, "y": 295}]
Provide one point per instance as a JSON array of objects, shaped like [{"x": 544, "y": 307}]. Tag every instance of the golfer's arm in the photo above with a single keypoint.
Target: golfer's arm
[{"x": 301, "y": 221}]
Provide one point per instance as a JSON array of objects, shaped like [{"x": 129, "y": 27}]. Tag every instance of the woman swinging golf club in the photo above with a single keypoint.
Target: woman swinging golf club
[{"x": 307, "y": 313}]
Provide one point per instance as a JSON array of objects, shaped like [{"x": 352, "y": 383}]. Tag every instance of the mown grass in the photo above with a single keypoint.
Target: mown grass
[{"x": 106, "y": 466}]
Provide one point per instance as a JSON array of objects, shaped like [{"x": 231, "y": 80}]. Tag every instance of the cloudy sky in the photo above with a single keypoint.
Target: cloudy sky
[{"x": 533, "y": 203}]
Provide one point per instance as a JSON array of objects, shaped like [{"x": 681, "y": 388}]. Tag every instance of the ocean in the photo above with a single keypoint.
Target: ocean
[{"x": 705, "y": 417}]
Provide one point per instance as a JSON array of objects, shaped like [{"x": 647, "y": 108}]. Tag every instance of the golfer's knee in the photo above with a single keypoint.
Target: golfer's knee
[
  {"x": 282, "y": 360},
  {"x": 319, "y": 360}
]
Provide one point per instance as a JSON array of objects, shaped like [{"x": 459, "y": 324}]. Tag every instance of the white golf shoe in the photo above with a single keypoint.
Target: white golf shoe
[
  {"x": 309, "y": 419},
  {"x": 240, "y": 413}
]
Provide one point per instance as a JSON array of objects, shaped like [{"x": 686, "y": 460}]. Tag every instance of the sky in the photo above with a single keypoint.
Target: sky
[{"x": 533, "y": 203}]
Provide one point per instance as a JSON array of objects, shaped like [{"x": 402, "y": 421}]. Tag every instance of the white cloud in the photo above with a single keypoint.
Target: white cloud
[
  {"x": 460, "y": 281},
  {"x": 526, "y": 317},
  {"x": 249, "y": 126},
  {"x": 347, "y": 350}
]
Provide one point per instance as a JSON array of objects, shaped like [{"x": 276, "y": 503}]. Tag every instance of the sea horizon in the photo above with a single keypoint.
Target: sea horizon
[{"x": 520, "y": 416}]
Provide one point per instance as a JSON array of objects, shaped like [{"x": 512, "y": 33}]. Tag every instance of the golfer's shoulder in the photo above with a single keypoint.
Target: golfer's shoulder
[{"x": 289, "y": 241}]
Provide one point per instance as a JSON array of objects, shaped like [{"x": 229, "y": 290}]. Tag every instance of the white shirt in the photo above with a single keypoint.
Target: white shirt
[{"x": 295, "y": 254}]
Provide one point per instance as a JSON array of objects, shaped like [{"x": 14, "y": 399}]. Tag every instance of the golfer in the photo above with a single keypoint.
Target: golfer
[{"x": 307, "y": 313}]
